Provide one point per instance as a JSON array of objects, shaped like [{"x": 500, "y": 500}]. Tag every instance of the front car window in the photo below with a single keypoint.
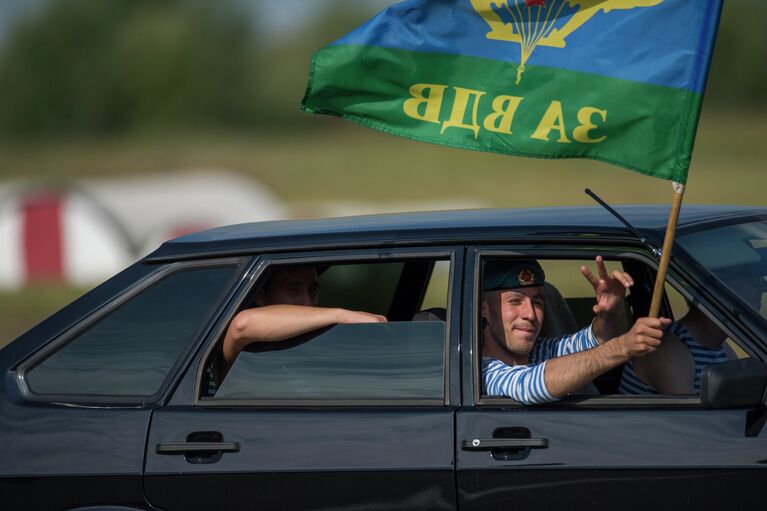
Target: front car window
[
  {"x": 737, "y": 256},
  {"x": 568, "y": 301}
]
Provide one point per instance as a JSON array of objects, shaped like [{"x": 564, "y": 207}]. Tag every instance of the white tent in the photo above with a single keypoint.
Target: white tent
[{"x": 88, "y": 231}]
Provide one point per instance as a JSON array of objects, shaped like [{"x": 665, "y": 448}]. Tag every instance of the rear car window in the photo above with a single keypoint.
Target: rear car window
[
  {"x": 402, "y": 360},
  {"x": 130, "y": 351}
]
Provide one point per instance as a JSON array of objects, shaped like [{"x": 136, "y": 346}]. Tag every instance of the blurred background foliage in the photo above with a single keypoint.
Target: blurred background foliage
[
  {"x": 102, "y": 68},
  {"x": 111, "y": 67},
  {"x": 738, "y": 77}
]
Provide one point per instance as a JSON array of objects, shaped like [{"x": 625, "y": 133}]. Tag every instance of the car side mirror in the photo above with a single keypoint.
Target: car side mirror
[{"x": 733, "y": 384}]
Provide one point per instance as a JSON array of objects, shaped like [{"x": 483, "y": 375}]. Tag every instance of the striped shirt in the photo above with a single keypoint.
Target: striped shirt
[
  {"x": 525, "y": 383},
  {"x": 702, "y": 357}
]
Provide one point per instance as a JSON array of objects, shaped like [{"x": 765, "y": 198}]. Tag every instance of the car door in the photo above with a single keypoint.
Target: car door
[
  {"x": 75, "y": 413},
  {"x": 599, "y": 452},
  {"x": 358, "y": 417}
]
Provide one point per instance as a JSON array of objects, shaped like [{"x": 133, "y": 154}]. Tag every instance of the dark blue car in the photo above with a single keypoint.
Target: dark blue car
[{"x": 115, "y": 402}]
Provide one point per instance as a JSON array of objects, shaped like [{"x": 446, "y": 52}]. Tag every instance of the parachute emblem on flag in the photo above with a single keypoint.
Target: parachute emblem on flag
[{"x": 543, "y": 22}]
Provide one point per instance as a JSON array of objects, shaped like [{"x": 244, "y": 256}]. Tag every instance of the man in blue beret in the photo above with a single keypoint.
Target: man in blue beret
[{"x": 517, "y": 364}]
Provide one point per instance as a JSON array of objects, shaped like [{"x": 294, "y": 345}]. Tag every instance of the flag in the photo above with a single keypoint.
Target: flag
[{"x": 620, "y": 81}]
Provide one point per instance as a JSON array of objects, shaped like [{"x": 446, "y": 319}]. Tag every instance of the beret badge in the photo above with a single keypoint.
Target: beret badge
[{"x": 526, "y": 277}]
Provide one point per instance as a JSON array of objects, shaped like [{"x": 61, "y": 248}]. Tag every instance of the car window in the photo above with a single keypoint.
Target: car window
[
  {"x": 680, "y": 308},
  {"x": 436, "y": 291},
  {"x": 340, "y": 285},
  {"x": 578, "y": 293},
  {"x": 403, "y": 358},
  {"x": 131, "y": 350},
  {"x": 739, "y": 261},
  {"x": 568, "y": 302}
]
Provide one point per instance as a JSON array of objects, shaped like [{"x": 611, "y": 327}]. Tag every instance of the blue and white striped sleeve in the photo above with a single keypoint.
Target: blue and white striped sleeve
[
  {"x": 553, "y": 347},
  {"x": 526, "y": 383},
  {"x": 523, "y": 383}
]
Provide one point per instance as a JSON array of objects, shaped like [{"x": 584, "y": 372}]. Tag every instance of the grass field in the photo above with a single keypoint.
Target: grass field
[
  {"x": 336, "y": 160},
  {"x": 333, "y": 160},
  {"x": 21, "y": 310}
]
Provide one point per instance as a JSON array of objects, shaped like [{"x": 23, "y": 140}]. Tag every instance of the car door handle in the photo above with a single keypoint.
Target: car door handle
[
  {"x": 488, "y": 444},
  {"x": 185, "y": 447}
]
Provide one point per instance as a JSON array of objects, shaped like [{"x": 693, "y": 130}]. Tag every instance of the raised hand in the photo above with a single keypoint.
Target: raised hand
[{"x": 610, "y": 289}]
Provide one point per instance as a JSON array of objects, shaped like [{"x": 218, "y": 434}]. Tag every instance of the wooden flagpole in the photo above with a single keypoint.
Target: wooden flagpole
[{"x": 668, "y": 242}]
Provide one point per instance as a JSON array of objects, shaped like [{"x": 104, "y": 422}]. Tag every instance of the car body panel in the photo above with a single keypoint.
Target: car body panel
[
  {"x": 409, "y": 450},
  {"x": 598, "y": 456},
  {"x": 349, "y": 455},
  {"x": 426, "y": 228},
  {"x": 598, "y": 450},
  {"x": 64, "y": 446},
  {"x": 604, "y": 452},
  {"x": 58, "y": 453}
]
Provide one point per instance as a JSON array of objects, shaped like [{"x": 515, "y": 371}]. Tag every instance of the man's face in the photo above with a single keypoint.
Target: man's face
[
  {"x": 292, "y": 286},
  {"x": 514, "y": 318}
]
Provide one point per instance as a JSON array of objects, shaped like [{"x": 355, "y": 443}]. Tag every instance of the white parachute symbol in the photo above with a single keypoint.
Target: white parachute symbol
[
  {"x": 531, "y": 23},
  {"x": 533, "y": 20}
]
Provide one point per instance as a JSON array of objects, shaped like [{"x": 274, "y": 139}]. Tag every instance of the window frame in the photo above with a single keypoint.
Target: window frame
[
  {"x": 674, "y": 278},
  {"x": 747, "y": 311},
  {"x": 162, "y": 271},
  {"x": 452, "y": 254}
]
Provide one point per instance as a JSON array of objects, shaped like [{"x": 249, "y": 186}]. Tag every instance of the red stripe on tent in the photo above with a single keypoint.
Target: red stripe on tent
[
  {"x": 42, "y": 238},
  {"x": 182, "y": 230}
]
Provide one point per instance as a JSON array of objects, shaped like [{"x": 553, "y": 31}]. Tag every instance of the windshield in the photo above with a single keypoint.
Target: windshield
[{"x": 736, "y": 255}]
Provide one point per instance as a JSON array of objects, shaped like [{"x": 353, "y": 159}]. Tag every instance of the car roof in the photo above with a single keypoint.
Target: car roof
[{"x": 435, "y": 227}]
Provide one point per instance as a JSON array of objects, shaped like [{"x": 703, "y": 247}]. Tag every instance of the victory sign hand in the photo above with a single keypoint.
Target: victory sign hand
[{"x": 610, "y": 289}]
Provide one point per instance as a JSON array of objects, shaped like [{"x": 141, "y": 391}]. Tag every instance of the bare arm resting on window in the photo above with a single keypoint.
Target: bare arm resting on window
[{"x": 280, "y": 322}]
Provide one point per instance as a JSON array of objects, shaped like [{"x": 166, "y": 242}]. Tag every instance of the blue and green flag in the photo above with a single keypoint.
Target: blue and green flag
[{"x": 619, "y": 81}]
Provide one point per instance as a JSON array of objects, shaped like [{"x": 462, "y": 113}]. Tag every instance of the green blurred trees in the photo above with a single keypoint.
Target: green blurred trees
[
  {"x": 85, "y": 67},
  {"x": 738, "y": 76},
  {"x": 288, "y": 60}
]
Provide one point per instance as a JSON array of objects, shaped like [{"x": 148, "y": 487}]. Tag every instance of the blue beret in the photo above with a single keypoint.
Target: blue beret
[{"x": 512, "y": 274}]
